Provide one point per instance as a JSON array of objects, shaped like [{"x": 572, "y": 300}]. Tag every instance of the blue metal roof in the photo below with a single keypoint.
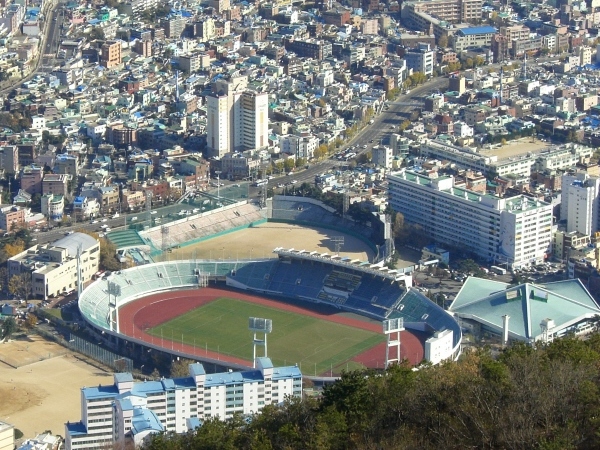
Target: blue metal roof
[
  {"x": 478, "y": 30},
  {"x": 286, "y": 372},
  {"x": 145, "y": 420},
  {"x": 76, "y": 429},
  {"x": 100, "y": 392}
]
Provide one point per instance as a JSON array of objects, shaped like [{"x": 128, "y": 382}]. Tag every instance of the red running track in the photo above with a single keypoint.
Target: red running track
[{"x": 137, "y": 316}]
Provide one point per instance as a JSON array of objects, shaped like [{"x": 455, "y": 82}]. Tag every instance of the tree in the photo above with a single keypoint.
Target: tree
[
  {"x": 288, "y": 164},
  {"x": 9, "y": 326},
  {"x": 180, "y": 368},
  {"x": 20, "y": 285},
  {"x": 300, "y": 162},
  {"x": 15, "y": 248},
  {"x": 443, "y": 41},
  {"x": 31, "y": 321},
  {"x": 364, "y": 158},
  {"x": 97, "y": 33},
  {"x": 503, "y": 142}
]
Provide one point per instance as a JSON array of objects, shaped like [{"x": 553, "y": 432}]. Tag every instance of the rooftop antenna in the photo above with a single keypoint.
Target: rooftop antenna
[{"x": 524, "y": 71}]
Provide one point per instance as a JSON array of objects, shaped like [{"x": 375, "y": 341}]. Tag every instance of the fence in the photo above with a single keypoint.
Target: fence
[{"x": 97, "y": 353}]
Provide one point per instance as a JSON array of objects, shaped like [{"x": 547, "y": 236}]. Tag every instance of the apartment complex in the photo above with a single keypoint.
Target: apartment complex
[
  {"x": 423, "y": 14},
  {"x": 515, "y": 231},
  {"x": 238, "y": 119},
  {"x": 53, "y": 267},
  {"x": 128, "y": 411},
  {"x": 553, "y": 158}
]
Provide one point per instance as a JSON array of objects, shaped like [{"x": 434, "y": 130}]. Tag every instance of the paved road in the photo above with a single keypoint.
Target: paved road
[
  {"x": 50, "y": 35},
  {"x": 381, "y": 126}
]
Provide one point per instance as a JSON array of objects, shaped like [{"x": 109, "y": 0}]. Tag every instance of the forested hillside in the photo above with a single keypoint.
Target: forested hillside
[{"x": 545, "y": 398}]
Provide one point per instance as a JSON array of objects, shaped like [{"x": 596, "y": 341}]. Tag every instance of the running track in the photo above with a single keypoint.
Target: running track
[{"x": 148, "y": 312}]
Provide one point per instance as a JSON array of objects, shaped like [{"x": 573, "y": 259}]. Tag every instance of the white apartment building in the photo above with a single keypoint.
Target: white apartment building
[
  {"x": 473, "y": 37},
  {"x": 53, "y": 206},
  {"x": 515, "y": 231},
  {"x": 299, "y": 146},
  {"x": 128, "y": 411},
  {"x": 53, "y": 267},
  {"x": 461, "y": 156},
  {"x": 237, "y": 119},
  {"x": 382, "y": 155},
  {"x": 421, "y": 59},
  {"x": 579, "y": 203}
]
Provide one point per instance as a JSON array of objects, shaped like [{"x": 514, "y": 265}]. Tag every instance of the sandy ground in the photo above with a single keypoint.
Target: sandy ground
[
  {"x": 259, "y": 242},
  {"x": 516, "y": 148},
  {"x": 43, "y": 395}
]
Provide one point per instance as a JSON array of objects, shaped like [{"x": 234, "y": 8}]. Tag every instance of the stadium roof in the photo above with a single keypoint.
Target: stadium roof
[
  {"x": 478, "y": 30},
  {"x": 485, "y": 301}
]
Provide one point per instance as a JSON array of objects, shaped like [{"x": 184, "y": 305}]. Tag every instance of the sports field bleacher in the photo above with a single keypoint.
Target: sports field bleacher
[
  {"x": 415, "y": 307},
  {"x": 297, "y": 209},
  {"x": 206, "y": 225},
  {"x": 142, "y": 280},
  {"x": 256, "y": 275},
  {"x": 294, "y": 279}
]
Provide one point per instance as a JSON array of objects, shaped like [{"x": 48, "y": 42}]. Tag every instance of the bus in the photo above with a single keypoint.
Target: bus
[{"x": 261, "y": 183}]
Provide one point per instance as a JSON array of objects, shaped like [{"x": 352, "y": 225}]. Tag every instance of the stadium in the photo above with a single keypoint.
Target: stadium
[{"x": 327, "y": 307}]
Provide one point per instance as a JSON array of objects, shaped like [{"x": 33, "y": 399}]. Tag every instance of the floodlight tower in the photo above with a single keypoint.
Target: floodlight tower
[
  {"x": 164, "y": 232},
  {"x": 257, "y": 325},
  {"x": 115, "y": 290},
  {"x": 392, "y": 329}
]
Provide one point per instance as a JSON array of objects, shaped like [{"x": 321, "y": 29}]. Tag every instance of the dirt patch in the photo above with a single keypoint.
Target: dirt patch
[
  {"x": 259, "y": 242},
  {"x": 25, "y": 351},
  {"x": 44, "y": 395}
]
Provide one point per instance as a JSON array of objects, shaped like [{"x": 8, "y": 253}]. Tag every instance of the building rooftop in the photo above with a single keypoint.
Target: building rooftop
[
  {"x": 565, "y": 302},
  {"x": 72, "y": 242},
  {"x": 478, "y": 30}
]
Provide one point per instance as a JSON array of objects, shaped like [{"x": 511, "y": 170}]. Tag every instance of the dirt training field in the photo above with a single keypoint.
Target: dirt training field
[
  {"x": 516, "y": 148},
  {"x": 43, "y": 395},
  {"x": 259, "y": 242}
]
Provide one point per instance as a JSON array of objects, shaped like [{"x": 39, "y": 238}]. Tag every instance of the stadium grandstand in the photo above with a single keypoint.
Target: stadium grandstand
[
  {"x": 204, "y": 226},
  {"x": 310, "y": 211},
  {"x": 349, "y": 285}
]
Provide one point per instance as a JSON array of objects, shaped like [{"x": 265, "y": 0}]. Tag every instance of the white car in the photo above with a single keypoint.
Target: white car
[
  {"x": 104, "y": 220},
  {"x": 94, "y": 221},
  {"x": 294, "y": 181}
]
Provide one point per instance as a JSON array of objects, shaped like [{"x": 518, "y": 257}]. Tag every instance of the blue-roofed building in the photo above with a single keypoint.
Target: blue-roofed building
[
  {"x": 473, "y": 37},
  {"x": 128, "y": 411},
  {"x": 536, "y": 312}
]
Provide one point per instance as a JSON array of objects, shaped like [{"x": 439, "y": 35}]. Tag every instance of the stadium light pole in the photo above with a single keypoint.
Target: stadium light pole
[{"x": 218, "y": 173}]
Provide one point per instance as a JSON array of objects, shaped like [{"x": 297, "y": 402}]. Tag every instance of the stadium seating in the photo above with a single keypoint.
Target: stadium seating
[
  {"x": 209, "y": 224},
  {"x": 255, "y": 276},
  {"x": 296, "y": 209}
]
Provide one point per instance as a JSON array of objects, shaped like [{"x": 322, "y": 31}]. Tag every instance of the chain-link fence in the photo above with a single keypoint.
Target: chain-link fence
[{"x": 97, "y": 353}]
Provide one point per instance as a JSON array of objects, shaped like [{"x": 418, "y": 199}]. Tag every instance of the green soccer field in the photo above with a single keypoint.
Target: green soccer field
[{"x": 315, "y": 345}]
